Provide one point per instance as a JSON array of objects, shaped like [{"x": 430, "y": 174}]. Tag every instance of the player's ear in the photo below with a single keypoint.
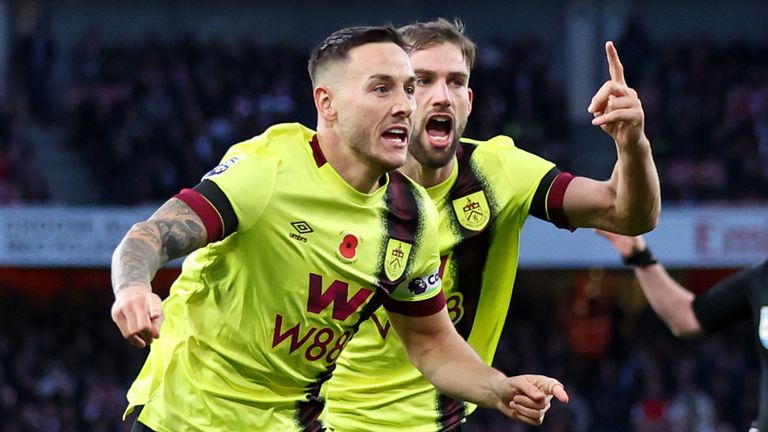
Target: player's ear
[
  {"x": 324, "y": 103},
  {"x": 471, "y": 98}
]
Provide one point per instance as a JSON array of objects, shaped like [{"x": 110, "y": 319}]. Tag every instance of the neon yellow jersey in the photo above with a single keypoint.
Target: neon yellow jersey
[
  {"x": 482, "y": 207},
  {"x": 256, "y": 321}
]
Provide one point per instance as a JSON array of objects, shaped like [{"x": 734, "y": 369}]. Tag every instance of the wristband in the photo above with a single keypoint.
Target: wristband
[{"x": 642, "y": 259}]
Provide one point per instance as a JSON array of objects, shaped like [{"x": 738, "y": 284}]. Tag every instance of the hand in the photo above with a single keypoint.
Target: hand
[
  {"x": 616, "y": 106},
  {"x": 526, "y": 398},
  {"x": 624, "y": 245},
  {"x": 138, "y": 313}
]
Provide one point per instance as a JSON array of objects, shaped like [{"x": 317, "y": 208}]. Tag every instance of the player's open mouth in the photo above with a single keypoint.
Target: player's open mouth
[
  {"x": 396, "y": 135},
  {"x": 440, "y": 130}
]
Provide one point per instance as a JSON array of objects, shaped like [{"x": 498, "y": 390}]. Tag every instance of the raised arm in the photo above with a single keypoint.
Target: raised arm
[
  {"x": 173, "y": 231},
  {"x": 671, "y": 302},
  {"x": 630, "y": 201},
  {"x": 450, "y": 364}
]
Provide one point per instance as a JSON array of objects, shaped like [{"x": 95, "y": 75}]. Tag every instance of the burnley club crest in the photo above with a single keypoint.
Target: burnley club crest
[{"x": 472, "y": 211}]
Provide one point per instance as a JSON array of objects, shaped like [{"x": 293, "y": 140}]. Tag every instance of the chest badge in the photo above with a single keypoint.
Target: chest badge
[
  {"x": 472, "y": 211},
  {"x": 396, "y": 258}
]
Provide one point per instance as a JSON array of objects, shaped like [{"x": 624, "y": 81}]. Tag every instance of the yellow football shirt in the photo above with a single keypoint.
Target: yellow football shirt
[
  {"x": 482, "y": 207},
  {"x": 256, "y": 321}
]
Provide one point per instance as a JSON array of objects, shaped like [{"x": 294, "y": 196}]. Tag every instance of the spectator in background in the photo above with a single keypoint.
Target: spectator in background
[
  {"x": 150, "y": 103},
  {"x": 20, "y": 178},
  {"x": 706, "y": 105},
  {"x": 240, "y": 89},
  {"x": 35, "y": 56}
]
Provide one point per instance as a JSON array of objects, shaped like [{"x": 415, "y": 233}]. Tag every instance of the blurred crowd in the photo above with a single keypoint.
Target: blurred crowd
[
  {"x": 64, "y": 366},
  {"x": 20, "y": 177},
  {"x": 151, "y": 117},
  {"x": 706, "y": 106},
  {"x": 158, "y": 116}
]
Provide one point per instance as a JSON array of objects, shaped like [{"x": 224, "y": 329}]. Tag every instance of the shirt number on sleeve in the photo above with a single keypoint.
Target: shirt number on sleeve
[{"x": 455, "y": 305}]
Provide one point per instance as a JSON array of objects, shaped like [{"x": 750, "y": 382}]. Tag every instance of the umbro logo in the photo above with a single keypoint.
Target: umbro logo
[{"x": 301, "y": 227}]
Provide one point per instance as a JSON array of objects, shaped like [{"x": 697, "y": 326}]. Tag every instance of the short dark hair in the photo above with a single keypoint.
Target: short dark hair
[
  {"x": 422, "y": 35},
  {"x": 336, "y": 46}
]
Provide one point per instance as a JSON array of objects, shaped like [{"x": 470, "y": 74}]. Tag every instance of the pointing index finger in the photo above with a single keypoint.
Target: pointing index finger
[
  {"x": 559, "y": 392},
  {"x": 615, "y": 67}
]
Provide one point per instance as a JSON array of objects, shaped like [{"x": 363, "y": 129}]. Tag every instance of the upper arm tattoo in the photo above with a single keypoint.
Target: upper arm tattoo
[
  {"x": 179, "y": 228},
  {"x": 174, "y": 230}
]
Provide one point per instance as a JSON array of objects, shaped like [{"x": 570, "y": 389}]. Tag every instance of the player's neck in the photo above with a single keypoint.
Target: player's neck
[
  {"x": 426, "y": 176},
  {"x": 361, "y": 176}
]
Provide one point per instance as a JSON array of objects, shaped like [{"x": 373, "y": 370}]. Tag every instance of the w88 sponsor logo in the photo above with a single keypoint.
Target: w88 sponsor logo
[
  {"x": 317, "y": 343},
  {"x": 322, "y": 342}
]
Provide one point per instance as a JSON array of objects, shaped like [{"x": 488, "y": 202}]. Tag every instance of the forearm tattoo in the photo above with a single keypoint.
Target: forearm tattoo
[{"x": 173, "y": 231}]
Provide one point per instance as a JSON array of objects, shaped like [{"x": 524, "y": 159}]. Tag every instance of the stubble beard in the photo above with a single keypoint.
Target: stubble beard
[
  {"x": 362, "y": 145},
  {"x": 423, "y": 152}
]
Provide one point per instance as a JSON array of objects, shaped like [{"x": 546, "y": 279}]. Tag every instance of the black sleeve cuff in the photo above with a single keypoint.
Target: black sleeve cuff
[
  {"x": 220, "y": 202},
  {"x": 539, "y": 205}
]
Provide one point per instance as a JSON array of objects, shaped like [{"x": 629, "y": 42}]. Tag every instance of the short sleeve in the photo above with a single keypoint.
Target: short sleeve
[
  {"x": 727, "y": 302},
  {"x": 246, "y": 176},
  {"x": 516, "y": 173}
]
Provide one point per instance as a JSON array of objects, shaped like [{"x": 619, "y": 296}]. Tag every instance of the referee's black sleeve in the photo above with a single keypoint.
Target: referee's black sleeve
[{"x": 728, "y": 302}]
